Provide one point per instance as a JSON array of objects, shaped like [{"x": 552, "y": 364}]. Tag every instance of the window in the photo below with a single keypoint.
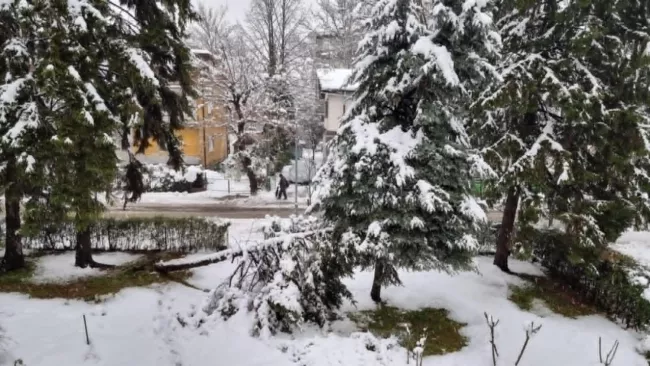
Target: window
[
  {"x": 344, "y": 107},
  {"x": 211, "y": 144},
  {"x": 326, "y": 108}
]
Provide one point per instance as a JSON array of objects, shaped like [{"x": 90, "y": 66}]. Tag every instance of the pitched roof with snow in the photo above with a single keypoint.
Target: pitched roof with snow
[{"x": 336, "y": 80}]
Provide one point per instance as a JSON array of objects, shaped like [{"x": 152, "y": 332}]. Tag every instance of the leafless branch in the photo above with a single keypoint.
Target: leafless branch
[
  {"x": 531, "y": 330},
  {"x": 492, "y": 324},
  {"x": 339, "y": 24},
  {"x": 276, "y": 30},
  {"x": 609, "y": 358}
]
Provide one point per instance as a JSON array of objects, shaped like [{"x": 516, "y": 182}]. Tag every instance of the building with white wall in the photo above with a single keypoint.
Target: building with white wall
[{"x": 336, "y": 92}]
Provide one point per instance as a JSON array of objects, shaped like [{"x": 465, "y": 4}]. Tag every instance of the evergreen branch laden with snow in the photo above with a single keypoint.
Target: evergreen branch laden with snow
[
  {"x": 291, "y": 278},
  {"x": 562, "y": 122},
  {"x": 396, "y": 185}
]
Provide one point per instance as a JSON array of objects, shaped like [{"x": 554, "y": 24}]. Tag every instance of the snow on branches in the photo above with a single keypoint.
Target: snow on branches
[
  {"x": 288, "y": 279},
  {"x": 563, "y": 124},
  {"x": 396, "y": 185}
]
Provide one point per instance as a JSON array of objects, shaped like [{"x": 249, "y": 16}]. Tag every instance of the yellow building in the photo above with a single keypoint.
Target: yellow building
[{"x": 204, "y": 138}]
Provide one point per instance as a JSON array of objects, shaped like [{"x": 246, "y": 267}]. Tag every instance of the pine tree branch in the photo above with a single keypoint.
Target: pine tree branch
[
  {"x": 127, "y": 13},
  {"x": 556, "y": 117}
]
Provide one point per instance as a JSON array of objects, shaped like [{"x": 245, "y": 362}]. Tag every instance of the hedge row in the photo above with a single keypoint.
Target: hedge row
[
  {"x": 615, "y": 284},
  {"x": 138, "y": 234}
]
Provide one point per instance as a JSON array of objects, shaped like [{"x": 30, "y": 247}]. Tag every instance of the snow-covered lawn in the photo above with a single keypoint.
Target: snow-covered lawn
[
  {"x": 60, "y": 267},
  {"x": 140, "y": 326},
  {"x": 635, "y": 244}
]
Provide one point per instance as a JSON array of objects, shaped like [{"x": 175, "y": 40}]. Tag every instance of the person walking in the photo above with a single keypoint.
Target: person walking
[{"x": 284, "y": 184}]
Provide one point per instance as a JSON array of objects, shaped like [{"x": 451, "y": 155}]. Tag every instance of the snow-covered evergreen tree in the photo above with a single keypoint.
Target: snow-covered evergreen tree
[
  {"x": 565, "y": 129},
  {"x": 86, "y": 74},
  {"x": 156, "y": 34},
  {"x": 396, "y": 188},
  {"x": 21, "y": 128}
]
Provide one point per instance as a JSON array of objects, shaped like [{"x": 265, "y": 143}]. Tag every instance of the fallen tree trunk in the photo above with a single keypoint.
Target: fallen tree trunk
[
  {"x": 178, "y": 265},
  {"x": 185, "y": 264}
]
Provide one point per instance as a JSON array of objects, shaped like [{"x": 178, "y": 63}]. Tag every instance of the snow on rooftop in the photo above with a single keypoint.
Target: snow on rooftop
[{"x": 336, "y": 80}]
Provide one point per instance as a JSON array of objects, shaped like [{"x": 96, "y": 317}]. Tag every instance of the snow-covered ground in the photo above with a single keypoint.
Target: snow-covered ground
[
  {"x": 141, "y": 327},
  {"x": 60, "y": 267},
  {"x": 243, "y": 232},
  {"x": 635, "y": 244}
]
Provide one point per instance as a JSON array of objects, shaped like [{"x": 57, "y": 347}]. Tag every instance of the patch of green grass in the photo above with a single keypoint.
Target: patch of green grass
[
  {"x": 555, "y": 297},
  {"x": 523, "y": 296},
  {"x": 443, "y": 334},
  {"x": 20, "y": 275},
  {"x": 138, "y": 274}
]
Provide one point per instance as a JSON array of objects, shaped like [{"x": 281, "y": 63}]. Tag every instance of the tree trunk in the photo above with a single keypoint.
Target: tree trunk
[
  {"x": 83, "y": 250},
  {"x": 375, "y": 292},
  {"x": 13, "y": 258},
  {"x": 84, "y": 253},
  {"x": 506, "y": 230},
  {"x": 252, "y": 180}
]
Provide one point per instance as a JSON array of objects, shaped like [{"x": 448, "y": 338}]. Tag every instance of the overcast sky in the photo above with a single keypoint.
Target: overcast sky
[{"x": 236, "y": 8}]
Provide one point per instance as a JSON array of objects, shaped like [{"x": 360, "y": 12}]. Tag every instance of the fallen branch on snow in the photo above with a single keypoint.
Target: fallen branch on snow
[
  {"x": 292, "y": 277},
  {"x": 229, "y": 254}
]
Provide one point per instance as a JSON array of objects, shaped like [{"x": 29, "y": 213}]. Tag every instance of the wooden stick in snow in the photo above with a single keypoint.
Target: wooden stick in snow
[{"x": 86, "y": 329}]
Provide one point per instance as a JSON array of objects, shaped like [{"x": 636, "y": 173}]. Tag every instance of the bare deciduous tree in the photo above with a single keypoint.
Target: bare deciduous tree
[
  {"x": 259, "y": 71},
  {"x": 277, "y": 31},
  {"x": 236, "y": 75},
  {"x": 337, "y": 25},
  {"x": 209, "y": 30}
]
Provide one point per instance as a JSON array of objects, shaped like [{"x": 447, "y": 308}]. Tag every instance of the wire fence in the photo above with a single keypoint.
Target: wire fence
[
  {"x": 229, "y": 186},
  {"x": 241, "y": 187}
]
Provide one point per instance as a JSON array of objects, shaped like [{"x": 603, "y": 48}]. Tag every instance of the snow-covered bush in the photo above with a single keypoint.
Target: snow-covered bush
[
  {"x": 162, "y": 178},
  {"x": 136, "y": 234},
  {"x": 292, "y": 277},
  {"x": 612, "y": 282}
]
